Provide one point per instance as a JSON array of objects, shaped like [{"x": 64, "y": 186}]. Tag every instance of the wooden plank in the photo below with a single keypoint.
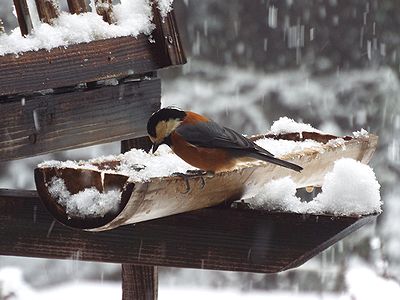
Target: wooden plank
[
  {"x": 38, "y": 124},
  {"x": 47, "y": 10},
  {"x": 61, "y": 67},
  {"x": 24, "y": 18},
  {"x": 214, "y": 238},
  {"x": 139, "y": 282},
  {"x": 104, "y": 9},
  {"x": 77, "y": 6},
  {"x": 41, "y": 70}
]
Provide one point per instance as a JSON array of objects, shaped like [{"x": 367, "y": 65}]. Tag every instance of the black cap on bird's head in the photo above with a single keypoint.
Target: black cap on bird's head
[{"x": 162, "y": 123}]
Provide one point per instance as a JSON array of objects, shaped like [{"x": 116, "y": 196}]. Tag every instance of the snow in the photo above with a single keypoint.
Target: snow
[
  {"x": 87, "y": 203},
  {"x": 140, "y": 166},
  {"x": 133, "y": 17},
  {"x": 350, "y": 188},
  {"x": 363, "y": 283},
  {"x": 287, "y": 125},
  {"x": 165, "y": 6},
  {"x": 137, "y": 164}
]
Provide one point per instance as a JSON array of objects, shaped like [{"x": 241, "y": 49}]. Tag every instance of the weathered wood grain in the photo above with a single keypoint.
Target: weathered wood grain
[
  {"x": 38, "y": 124},
  {"x": 139, "y": 282},
  {"x": 88, "y": 62},
  {"x": 168, "y": 36},
  {"x": 140, "y": 143},
  {"x": 24, "y": 17},
  {"x": 77, "y": 6},
  {"x": 214, "y": 238}
]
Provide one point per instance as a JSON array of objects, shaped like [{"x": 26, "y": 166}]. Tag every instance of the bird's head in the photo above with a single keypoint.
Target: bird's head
[{"x": 162, "y": 123}]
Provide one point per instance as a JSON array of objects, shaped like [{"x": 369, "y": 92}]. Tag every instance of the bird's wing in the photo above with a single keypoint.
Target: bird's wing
[{"x": 211, "y": 135}]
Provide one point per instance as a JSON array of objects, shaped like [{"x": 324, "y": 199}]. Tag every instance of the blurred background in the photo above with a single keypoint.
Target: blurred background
[{"x": 334, "y": 64}]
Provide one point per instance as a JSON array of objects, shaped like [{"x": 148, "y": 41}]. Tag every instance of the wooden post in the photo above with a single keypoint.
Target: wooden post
[
  {"x": 104, "y": 9},
  {"x": 47, "y": 10},
  {"x": 24, "y": 18},
  {"x": 77, "y": 6},
  {"x": 139, "y": 282},
  {"x": 140, "y": 143}
]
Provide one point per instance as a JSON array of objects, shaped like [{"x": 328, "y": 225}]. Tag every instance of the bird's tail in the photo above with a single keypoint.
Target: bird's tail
[{"x": 278, "y": 162}]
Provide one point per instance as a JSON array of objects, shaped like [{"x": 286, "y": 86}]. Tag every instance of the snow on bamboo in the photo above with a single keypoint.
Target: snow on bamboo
[{"x": 350, "y": 189}]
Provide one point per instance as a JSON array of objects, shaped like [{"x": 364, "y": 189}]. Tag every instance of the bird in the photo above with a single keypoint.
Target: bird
[{"x": 204, "y": 143}]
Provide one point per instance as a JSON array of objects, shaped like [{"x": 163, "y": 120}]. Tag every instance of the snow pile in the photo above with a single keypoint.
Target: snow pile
[
  {"x": 89, "y": 202},
  {"x": 165, "y": 6},
  {"x": 363, "y": 283},
  {"x": 137, "y": 164},
  {"x": 287, "y": 125},
  {"x": 350, "y": 188},
  {"x": 133, "y": 17}
]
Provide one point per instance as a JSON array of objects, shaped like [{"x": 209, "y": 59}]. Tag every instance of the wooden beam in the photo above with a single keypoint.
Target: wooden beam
[
  {"x": 38, "y": 124},
  {"x": 42, "y": 70},
  {"x": 77, "y": 6},
  {"x": 139, "y": 282},
  {"x": 214, "y": 238},
  {"x": 47, "y": 10},
  {"x": 24, "y": 18},
  {"x": 104, "y": 9}
]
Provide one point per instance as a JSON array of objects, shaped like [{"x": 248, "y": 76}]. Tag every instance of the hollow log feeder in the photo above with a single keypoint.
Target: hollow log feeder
[
  {"x": 77, "y": 6},
  {"x": 104, "y": 9},
  {"x": 160, "y": 197},
  {"x": 24, "y": 17},
  {"x": 47, "y": 10}
]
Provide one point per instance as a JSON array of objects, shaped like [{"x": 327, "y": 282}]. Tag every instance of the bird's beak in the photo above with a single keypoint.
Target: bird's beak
[{"x": 155, "y": 147}]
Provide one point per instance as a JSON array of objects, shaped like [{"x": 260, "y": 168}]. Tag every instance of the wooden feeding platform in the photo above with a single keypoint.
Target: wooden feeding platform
[{"x": 58, "y": 99}]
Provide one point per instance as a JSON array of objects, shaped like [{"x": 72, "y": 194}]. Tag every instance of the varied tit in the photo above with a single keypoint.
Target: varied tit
[{"x": 203, "y": 143}]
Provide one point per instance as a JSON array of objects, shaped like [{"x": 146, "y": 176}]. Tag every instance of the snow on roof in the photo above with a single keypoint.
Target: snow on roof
[
  {"x": 350, "y": 188},
  {"x": 133, "y": 17}
]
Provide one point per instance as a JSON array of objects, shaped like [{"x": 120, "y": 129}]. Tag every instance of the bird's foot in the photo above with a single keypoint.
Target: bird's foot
[{"x": 194, "y": 173}]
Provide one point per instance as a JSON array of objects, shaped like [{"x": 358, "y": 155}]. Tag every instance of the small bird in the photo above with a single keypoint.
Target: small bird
[{"x": 203, "y": 143}]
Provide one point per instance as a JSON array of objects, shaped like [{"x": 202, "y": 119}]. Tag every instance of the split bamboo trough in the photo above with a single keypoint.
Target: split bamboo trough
[{"x": 164, "y": 196}]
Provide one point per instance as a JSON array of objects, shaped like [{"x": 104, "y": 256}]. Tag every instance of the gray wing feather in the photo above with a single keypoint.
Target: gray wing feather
[{"x": 212, "y": 135}]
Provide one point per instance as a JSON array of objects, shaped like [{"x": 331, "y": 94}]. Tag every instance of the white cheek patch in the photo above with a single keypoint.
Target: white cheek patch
[{"x": 164, "y": 128}]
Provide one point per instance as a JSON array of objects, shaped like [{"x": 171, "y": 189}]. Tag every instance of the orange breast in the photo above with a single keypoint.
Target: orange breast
[{"x": 207, "y": 159}]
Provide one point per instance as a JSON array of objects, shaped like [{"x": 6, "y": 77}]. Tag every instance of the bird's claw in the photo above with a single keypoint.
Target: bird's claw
[{"x": 194, "y": 173}]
